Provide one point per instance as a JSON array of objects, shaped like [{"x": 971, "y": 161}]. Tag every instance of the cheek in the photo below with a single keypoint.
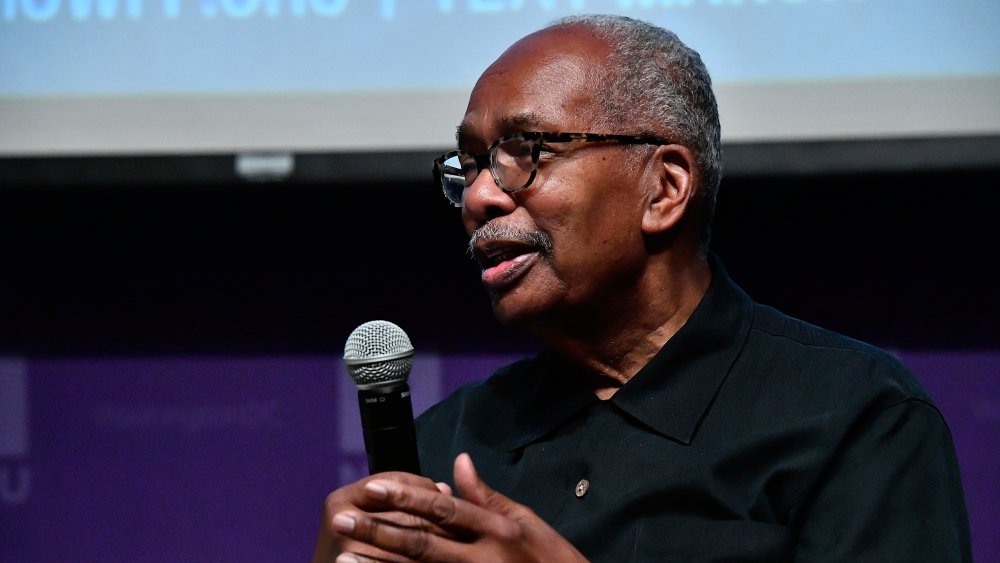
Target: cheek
[
  {"x": 589, "y": 211},
  {"x": 603, "y": 221},
  {"x": 593, "y": 241},
  {"x": 468, "y": 222}
]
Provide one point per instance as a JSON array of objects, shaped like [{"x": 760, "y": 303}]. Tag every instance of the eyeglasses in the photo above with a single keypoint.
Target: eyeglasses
[{"x": 513, "y": 160}]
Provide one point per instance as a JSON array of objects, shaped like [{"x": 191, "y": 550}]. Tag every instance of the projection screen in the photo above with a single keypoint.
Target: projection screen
[{"x": 129, "y": 77}]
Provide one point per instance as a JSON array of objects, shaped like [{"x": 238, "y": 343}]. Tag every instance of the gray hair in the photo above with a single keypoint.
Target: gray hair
[{"x": 660, "y": 85}]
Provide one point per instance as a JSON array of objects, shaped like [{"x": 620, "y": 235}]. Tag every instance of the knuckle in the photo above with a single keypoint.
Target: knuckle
[
  {"x": 411, "y": 521},
  {"x": 416, "y": 544},
  {"x": 332, "y": 502},
  {"x": 341, "y": 498},
  {"x": 331, "y": 507},
  {"x": 370, "y": 530},
  {"x": 509, "y": 531},
  {"x": 402, "y": 497},
  {"x": 443, "y": 508}
]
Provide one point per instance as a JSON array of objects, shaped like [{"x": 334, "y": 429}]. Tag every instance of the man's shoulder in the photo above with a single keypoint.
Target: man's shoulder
[
  {"x": 498, "y": 392},
  {"x": 813, "y": 354},
  {"x": 477, "y": 418}
]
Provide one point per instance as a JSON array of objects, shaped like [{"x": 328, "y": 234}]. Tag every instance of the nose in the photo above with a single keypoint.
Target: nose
[{"x": 484, "y": 200}]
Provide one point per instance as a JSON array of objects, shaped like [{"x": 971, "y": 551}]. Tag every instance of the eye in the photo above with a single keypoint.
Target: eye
[
  {"x": 546, "y": 152},
  {"x": 522, "y": 149},
  {"x": 468, "y": 164},
  {"x": 515, "y": 152}
]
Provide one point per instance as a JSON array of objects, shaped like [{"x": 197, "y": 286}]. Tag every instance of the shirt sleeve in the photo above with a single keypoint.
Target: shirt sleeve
[{"x": 892, "y": 493}]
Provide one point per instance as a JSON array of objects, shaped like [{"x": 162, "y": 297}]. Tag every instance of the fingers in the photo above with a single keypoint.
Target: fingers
[
  {"x": 474, "y": 490},
  {"x": 407, "y": 542},
  {"x": 434, "y": 507},
  {"x": 455, "y": 516},
  {"x": 350, "y": 495},
  {"x": 467, "y": 480},
  {"x": 329, "y": 543},
  {"x": 349, "y": 557},
  {"x": 421, "y": 543},
  {"x": 351, "y": 546},
  {"x": 442, "y": 527},
  {"x": 355, "y": 542}
]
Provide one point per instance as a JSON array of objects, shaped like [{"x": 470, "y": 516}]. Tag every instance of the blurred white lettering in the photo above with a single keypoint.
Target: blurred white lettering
[
  {"x": 106, "y": 9},
  {"x": 15, "y": 475},
  {"x": 15, "y": 484}
]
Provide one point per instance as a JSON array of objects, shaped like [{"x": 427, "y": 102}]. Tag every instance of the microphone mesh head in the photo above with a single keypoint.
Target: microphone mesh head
[{"x": 378, "y": 353}]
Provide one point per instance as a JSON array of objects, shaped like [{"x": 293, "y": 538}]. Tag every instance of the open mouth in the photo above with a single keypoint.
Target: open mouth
[
  {"x": 503, "y": 262},
  {"x": 492, "y": 254}
]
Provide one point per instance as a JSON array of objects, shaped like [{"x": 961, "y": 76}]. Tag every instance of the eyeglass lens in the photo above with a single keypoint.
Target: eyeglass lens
[
  {"x": 511, "y": 164},
  {"x": 454, "y": 178}
]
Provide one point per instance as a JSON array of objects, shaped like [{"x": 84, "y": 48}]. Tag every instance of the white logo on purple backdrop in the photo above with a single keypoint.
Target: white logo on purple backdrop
[{"x": 15, "y": 476}]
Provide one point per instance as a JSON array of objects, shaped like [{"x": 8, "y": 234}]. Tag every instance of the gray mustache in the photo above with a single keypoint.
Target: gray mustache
[{"x": 494, "y": 230}]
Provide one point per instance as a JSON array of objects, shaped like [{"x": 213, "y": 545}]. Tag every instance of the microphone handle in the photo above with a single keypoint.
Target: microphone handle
[{"x": 387, "y": 423}]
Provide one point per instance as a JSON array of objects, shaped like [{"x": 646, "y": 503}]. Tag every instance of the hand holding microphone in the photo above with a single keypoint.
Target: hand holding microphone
[
  {"x": 379, "y": 357},
  {"x": 395, "y": 514}
]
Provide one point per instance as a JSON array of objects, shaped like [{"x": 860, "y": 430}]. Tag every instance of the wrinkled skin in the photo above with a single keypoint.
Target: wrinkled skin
[
  {"x": 595, "y": 297},
  {"x": 581, "y": 199},
  {"x": 402, "y": 517}
]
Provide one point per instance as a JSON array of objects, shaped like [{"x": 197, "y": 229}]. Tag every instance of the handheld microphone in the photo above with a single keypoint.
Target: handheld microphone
[{"x": 379, "y": 357}]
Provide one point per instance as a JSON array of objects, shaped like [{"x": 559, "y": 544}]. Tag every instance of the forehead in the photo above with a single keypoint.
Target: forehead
[{"x": 544, "y": 82}]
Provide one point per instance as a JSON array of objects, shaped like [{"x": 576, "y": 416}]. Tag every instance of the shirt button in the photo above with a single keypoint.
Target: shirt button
[{"x": 582, "y": 487}]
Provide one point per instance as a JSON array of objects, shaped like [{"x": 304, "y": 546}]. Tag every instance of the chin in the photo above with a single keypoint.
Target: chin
[
  {"x": 508, "y": 316},
  {"x": 516, "y": 313}
]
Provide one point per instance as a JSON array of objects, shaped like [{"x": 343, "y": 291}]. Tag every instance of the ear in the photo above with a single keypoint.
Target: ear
[{"x": 671, "y": 188}]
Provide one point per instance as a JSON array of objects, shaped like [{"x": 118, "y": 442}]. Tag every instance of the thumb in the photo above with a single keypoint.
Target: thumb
[{"x": 474, "y": 490}]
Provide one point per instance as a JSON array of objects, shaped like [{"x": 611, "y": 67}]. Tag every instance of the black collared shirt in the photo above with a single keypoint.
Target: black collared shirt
[{"x": 750, "y": 436}]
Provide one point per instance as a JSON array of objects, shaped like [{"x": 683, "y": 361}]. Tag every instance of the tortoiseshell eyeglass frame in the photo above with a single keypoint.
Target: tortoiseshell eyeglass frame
[{"x": 443, "y": 173}]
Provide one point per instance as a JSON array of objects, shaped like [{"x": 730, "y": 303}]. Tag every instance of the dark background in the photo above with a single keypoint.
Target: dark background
[
  {"x": 176, "y": 327},
  {"x": 174, "y": 255}
]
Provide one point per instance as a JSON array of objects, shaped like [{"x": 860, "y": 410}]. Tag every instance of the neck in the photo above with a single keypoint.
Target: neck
[{"x": 618, "y": 340}]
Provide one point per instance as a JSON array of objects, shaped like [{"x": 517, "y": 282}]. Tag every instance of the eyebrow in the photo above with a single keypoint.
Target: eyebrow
[{"x": 510, "y": 123}]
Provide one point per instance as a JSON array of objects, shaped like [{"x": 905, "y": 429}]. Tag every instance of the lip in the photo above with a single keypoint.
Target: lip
[{"x": 506, "y": 273}]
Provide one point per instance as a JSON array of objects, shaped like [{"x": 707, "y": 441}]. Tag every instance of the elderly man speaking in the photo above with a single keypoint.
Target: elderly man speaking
[{"x": 670, "y": 417}]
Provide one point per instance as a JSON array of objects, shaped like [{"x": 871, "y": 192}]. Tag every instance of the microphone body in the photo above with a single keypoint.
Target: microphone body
[
  {"x": 387, "y": 423},
  {"x": 379, "y": 357}
]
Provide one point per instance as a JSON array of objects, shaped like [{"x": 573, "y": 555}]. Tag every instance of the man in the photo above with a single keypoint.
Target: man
[{"x": 670, "y": 417}]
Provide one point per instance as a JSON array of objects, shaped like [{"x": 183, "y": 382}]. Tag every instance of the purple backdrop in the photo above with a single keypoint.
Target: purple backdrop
[{"x": 151, "y": 459}]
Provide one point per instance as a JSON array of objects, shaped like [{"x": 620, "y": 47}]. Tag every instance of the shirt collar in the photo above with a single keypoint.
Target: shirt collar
[
  {"x": 556, "y": 391},
  {"x": 671, "y": 394}
]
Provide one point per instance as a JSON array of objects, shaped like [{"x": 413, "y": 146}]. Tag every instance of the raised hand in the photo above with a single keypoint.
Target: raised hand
[
  {"x": 352, "y": 499},
  {"x": 402, "y": 520}
]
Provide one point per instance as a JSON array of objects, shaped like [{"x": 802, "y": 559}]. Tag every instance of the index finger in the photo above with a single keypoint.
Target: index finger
[
  {"x": 354, "y": 497},
  {"x": 351, "y": 493},
  {"x": 448, "y": 512}
]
